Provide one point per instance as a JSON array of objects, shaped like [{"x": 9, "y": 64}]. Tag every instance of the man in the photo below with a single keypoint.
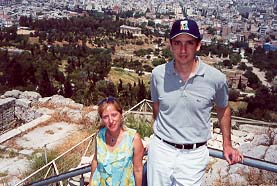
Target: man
[{"x": 184, "y": 92}]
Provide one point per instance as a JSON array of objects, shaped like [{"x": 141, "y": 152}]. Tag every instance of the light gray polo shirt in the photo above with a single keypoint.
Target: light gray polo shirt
[{"x": 185, "y": 107}]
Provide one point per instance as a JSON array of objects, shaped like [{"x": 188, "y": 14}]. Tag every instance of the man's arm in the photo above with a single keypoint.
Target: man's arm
[
  {"x": 231, "y": 155},
  {"x": 156, "y": 106}
]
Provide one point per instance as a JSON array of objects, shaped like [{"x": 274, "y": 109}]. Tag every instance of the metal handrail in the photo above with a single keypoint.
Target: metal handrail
[
  {"x": 63, "y": 176},
  {"x": 249, "y": 161},
  {"x": 53, "y": 161}
]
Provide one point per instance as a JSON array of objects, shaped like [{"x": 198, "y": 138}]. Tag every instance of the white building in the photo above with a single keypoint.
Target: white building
[{"x": 136, "y": 31}]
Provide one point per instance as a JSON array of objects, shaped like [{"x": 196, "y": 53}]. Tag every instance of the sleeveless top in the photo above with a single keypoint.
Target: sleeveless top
[{"x": 114, "y": 168}]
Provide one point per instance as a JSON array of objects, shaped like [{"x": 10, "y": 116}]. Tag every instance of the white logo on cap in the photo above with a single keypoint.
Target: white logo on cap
[{"x": 184, "y": 25}]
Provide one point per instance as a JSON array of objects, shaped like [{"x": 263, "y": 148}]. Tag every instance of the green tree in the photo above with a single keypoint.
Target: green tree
[
  {"x": 68, "y": 91},
  {"x": 14, "y": 74},
  {"x": 235, "y": 59},
  {"x": 45, "y": 86},
  {"x": 105, "y": 89},
  {"x": 120, "y": 87},
  {"x": 253, "y": 80},
  {"x": 233, "y": 95},
  {"x": 141, "y": 93},
  {"x": 242, "y": 66}
]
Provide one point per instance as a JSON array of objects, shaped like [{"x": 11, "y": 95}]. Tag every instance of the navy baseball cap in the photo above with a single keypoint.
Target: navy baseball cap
[{"x": 185, "y": 26}]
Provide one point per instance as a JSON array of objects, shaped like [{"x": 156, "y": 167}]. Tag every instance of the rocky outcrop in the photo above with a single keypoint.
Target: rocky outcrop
[
  {"x": 253, "y": 141},
  {"x": 30, "y": 105},
  {"x": 24, "y": 102},
  {"x": 259, "y": 142}
]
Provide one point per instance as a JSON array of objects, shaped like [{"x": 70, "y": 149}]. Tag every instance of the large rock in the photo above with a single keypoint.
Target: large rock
[
  {"x": 254, "y": 129},
  {"x": 273, "y": 136},
  {"x": 217, "y": 137},
  {"x": 271, "y": 156},
  {"x": 44, "y": 100},
  {"x": 43, "y": 111},
  {"x": 262, "y": 139},
  {"x": 245, "y": 147},
  {"x": 26, "y": 114},
  {"x": 30, "y": 95},
  {"x": 92, "y": 117},
  {"x": 73, "y": 115},
  {"x": 257, "y": 152},
  {"x": 239, "y": 169},
  {"x": 215, "y": 144},
  {"x": 274, "y": 140},
  {"x": 237, "y": 179},
  {"x": 12, "y": 93},
  {"x": 239, "y": 133},
  {"x": 249, "y": 137},
  {"x": 23, "y": 102},
  {"x": 215, "y": 174},
  {"x": 60, "y": 101}
]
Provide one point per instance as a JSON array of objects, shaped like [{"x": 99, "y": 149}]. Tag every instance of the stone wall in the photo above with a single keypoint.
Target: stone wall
[{"x": 7, "y": 110}]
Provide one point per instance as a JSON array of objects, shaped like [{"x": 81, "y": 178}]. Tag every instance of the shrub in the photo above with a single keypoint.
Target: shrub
[{"x": 141, "y": 124}]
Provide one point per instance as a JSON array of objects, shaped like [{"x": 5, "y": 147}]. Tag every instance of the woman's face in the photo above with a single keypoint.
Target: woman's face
[{"x": 111, "y": 118}]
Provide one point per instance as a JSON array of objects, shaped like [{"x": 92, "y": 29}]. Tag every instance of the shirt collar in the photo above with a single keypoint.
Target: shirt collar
[{"x": 200, "y": 68}]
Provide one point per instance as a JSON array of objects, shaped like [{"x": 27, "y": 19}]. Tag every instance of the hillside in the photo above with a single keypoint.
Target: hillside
[{"x": 55, "y": 124}]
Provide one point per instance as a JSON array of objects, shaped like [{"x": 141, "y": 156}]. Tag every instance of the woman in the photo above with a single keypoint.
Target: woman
[{"x": 119, "y": 150}]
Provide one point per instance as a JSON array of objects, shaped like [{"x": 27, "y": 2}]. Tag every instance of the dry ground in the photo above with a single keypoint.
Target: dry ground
[{"x": 16, "y": 153}]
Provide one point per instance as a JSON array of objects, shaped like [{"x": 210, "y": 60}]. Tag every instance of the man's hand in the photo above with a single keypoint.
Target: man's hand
[{"x": 232, "y": 155}]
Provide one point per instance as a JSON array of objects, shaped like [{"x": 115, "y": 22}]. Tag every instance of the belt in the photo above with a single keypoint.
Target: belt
[{"x": 182, "y": 146}]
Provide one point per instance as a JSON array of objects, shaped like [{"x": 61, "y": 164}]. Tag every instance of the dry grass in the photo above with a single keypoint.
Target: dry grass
[
  {"x": 51, "y": 105},
  {"x": 2, "y": 174},
  {"x": 33, "y": 40},
  {"x": 210, "y": 164},
  {"x": 24, "y": 32},
  {"x": 58, "y": 117},
  {"x": 4, "y": 179},
  {"x": 72, "y": 140},
  {"x": 12, "y": 142},
  {"x": 49, "y": 132},
  {"x": 63, "y": 66},
  {"x": 127, "y": 77},
  {"x": 238, "y": 105},
  {"x": 273, "y": 115}
]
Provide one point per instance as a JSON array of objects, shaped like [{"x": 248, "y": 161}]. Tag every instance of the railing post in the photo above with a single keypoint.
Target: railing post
[
  {"x": 45, "y": 154},
  {"x": 82, "y": 180}
]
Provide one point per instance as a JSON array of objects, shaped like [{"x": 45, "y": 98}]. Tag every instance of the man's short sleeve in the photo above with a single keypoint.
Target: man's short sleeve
[
  {"x": 153, "y": 86},
  {"x": 221, "y": 96}
]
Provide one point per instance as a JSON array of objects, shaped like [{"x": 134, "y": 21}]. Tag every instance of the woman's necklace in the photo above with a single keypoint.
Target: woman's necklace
[{"x": 113, "y": 139}]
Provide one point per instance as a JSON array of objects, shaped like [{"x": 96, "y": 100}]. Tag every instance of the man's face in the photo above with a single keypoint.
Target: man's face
[{"x": 184, "y": 48}]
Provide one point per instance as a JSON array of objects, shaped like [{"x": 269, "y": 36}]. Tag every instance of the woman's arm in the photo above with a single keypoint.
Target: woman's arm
[
  {"x": 137, "y": 159},
  {"x": 93, "y": 165}
]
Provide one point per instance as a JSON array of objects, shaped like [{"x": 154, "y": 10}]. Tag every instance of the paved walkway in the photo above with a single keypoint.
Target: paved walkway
[{"x": 14, "y": 132}]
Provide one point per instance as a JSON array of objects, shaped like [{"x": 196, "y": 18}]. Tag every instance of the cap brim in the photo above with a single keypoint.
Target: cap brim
[{"x": 185, "y": 33}]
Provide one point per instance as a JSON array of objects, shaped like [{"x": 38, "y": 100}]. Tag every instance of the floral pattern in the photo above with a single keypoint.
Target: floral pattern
[{"x": 115, "y": 168}]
